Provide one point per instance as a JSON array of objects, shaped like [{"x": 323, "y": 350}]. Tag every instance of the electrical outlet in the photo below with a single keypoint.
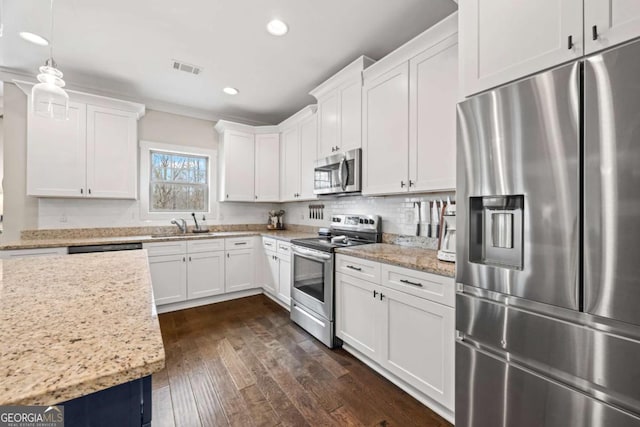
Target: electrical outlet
[{"x": 409, "y": 217}]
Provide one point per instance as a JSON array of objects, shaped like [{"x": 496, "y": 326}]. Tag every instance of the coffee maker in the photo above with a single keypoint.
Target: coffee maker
[{"x": 447, "y": 250}]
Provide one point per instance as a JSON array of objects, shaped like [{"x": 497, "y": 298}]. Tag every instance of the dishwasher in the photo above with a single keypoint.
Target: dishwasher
[{"x": 87, "y": 249}]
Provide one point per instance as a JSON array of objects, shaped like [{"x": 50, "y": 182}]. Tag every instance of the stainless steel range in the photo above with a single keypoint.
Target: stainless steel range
[{"x": 312, "y": 290}]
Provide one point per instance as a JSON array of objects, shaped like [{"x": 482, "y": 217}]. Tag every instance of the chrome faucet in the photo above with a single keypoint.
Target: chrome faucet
[{"x": 181, "y": 224}]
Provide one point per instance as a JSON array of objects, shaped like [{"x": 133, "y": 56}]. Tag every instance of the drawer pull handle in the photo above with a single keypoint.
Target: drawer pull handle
[
  {"x": 408, "y": 282},
  {"x": 354, "y": 268},
  {"x": 240, "y": 243},
  {"x": 268, "y": 244},
  {"x": 375, "y": 293}
]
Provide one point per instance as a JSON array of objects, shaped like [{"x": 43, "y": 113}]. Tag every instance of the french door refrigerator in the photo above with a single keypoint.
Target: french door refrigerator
[{"x": 548, "y": 272}]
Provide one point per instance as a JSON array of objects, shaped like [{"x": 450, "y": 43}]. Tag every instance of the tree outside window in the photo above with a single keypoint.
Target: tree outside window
[{"x": 178, "y": 182}]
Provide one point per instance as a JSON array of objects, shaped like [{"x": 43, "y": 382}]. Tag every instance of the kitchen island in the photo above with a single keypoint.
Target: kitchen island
[{"x": 75, "y": 328}]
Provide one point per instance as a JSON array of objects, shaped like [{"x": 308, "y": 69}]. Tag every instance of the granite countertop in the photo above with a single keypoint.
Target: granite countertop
[
  {"x": 74, "y": 325},
  {"x": 105, "y": 240},
  {"x": 403, "y": 256}
]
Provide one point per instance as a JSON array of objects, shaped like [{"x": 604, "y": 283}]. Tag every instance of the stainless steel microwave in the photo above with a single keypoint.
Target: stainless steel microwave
[{"x": 339, "y": 174}]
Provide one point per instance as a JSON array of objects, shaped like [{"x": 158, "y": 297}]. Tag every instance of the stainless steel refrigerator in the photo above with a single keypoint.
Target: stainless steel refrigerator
[{"x": 548, "y": 272}]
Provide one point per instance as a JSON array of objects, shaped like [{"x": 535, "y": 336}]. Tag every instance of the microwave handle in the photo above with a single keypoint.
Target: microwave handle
[{"x": 343, "y": 177}]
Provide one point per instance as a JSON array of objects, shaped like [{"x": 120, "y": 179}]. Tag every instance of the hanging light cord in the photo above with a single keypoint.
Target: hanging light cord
[{"x": 51, "y": 37}]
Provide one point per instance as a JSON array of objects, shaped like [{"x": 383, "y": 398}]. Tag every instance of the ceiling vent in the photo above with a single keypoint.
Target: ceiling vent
[{"x": 187, "y": 68}]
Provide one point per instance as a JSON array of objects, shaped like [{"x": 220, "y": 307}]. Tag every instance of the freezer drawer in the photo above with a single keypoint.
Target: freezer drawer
[
  {"x": 518, "y": 189},
  {"x": 612, "y": 184},
  {"x": 599, "y": 363},
  {"x": 491, "y": 392}
]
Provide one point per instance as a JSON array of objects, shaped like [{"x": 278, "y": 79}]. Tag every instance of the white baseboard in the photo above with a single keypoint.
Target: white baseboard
[
  {"x": 277, "y": 300},
  {"x": 207, "y": 300},
  {"x": 436, "y": 407}
]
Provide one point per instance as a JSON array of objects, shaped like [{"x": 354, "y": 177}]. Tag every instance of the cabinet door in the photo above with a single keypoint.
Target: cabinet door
[
  {"x": 418, "y": 344},
  {"x": 328, "y": 122},
  {"x": 533, "y": 35},
  {"x": 238, "y": 275},
  {"x": 308, "y": 155},
  {"x": 284, "y": 281},
  {"x": 358, "y": 314},
  {"x": 291, "y": 167},
  {"x": 239, "y": 172},
  {"x": 271, "y": 273},
  {"x": 56, "y": 154},
  {"x": 386, "y": 132},
  {"x": 169, "y": 278},
  {"x": 615, "y": 21},
  {"x": 112, "y": 162},
  {"x": 350, "y": 107},
  {"x": 433, "y": 88},
  {"x": 267, "y": 179},
  {"x": 205, "y": 274}
]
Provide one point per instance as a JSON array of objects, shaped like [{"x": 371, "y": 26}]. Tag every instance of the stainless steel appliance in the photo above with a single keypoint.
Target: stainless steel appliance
[
  {"x": 312, "y": 290},
  {"x": 447, "y": 251},
  {"x": 339, "y": 174},
  {"x": 548, "y": 282}
]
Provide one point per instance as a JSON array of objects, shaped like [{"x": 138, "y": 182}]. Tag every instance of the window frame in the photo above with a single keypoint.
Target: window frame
[{"x": 146, "y": 147}]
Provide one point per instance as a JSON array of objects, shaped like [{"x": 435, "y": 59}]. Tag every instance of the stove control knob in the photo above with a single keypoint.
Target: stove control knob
[
  {"x": 362, "y": 221},
  {"x": 371, "y": 221}
]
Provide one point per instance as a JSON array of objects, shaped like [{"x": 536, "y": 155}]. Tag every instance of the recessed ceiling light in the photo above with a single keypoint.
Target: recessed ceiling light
[
  {"x": 34, "y": 38},
  {"x": 230, "y": 90},
  {"x": 277, "y": 27}
]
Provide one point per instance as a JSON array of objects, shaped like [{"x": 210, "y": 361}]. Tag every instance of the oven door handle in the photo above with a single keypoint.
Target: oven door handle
[{"x": 310, "y": 254}]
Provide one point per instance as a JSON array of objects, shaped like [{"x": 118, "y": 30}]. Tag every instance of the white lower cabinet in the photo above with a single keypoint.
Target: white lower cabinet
[
  {"x": 239, "y": 270},
  {"x": 206, "y": 274},
  {"x": 358, "y": 314},
  {"x": 189, "y": 270},
  {"x": 406, "y": 332},
  {"x": 276, "y": 269},
  {"x": 169, "y": 278}
]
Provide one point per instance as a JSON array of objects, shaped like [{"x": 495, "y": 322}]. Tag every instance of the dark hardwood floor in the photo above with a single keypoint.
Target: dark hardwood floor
[{"x": 244, "y": 363}]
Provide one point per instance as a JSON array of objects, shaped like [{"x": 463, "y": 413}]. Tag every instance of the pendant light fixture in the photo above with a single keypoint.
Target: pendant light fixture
[{"x": 48, "y": 99}]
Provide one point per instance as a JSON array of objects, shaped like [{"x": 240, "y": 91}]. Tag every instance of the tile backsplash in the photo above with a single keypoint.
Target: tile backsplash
[{"x": 398, "y": 212}]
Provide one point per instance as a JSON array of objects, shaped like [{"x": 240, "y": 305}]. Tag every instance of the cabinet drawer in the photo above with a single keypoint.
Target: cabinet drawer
[
  {"x": 23, "y": 253},
  {"x": 238, "y": 243},
  {"x": 284, "y": 248},
  {"x": 209, "y": 245},
  {"x": 357, "y": 267},
  {"x": 166, "y": 248},
  {"x": 433, "y": 287},
  {"x": 269, "y": 244}
]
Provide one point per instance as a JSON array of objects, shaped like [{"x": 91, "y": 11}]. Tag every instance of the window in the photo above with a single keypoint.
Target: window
[{"x": 178, "y": 182}]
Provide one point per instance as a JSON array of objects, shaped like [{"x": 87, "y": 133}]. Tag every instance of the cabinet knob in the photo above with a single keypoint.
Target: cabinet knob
[
  {"x": 381, "y": 296},
  {"x": 228, "y": 256},
  {"x": 81, "y": 191},
  {"x": 594, "y": 32},
  {"x": 256, "y": 197},
  {"x": 184, "y": 259},
  {"x": 337, "y": 148},
  {"x": 411, "y": 183},
  {"x": 570, "y": 42},
  {"x": 89, "y": 191},
  {"x": 375, "y": 294},
  {"x": 189, "y": 259},
  {"x": 402, "y": 184},
  {"x": 227, "y": 196}
]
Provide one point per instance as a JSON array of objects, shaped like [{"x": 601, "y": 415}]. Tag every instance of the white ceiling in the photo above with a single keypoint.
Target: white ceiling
[{"x": 125, "y": 47}]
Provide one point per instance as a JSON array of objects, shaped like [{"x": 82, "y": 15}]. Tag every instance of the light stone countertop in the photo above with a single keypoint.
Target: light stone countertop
[
  {"x": 403, "y": 256},
  {"x": 82, "y": 241},
  {"x": 74, "y": 325}
]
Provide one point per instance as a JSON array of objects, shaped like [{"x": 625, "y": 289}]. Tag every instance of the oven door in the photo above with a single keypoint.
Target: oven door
[
  {"x": 312, "y": 280},
  {"x": 339, "y": 173}
]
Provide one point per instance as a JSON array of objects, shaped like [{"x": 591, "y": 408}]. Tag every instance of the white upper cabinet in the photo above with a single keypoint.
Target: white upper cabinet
[
  {"x": 112, "y": 164},
  {"x": 339, "y": 109},
  {"x": 92, "y": 154},
  {"x": 308, "y": 154},
  {"x": 386, "y": 132},
  {"x": 290, "y": 163},
  {"x": 609, "y": 22},
  {"x": 267, "y": 161},
  {"x": 502, "y": 40},
  {"x": 56, "y": 154},
  {"x": 433, "y": 91},
  {"x": 409, "y": 115},
  {"x": 299, "y": 136},
  {"x": 236, "y": 167}
]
